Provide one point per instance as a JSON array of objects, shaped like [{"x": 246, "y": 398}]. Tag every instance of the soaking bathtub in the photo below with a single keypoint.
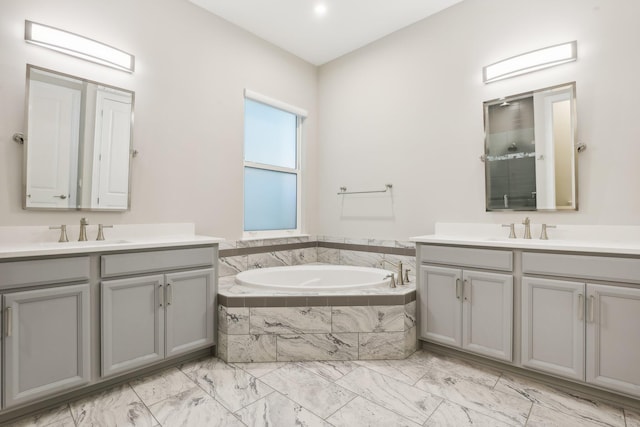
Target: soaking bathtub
[
  {"x": 315, "y": 312},
  {"x": 314, "y": 278}
]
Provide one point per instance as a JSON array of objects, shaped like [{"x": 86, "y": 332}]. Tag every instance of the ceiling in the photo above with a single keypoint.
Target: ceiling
[{"x": 345, "y": 26}]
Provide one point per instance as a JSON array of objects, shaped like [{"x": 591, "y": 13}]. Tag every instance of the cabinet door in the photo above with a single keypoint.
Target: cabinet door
[
  {"x": 440, "y": 305},
  {"x": 487, "y": 314},
  {"x": 190, "y": 302},
  {"x": 613, "y": 340},
  {"x": 47, "y": 342},
  {"x": 132, "y": 323},
  {"x": 553, "y": 327}
]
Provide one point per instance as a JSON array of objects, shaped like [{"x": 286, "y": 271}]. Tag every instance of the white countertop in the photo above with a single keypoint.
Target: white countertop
[
  {"x": 20, "y": 242},
  {"x": 620, "y": 240}
]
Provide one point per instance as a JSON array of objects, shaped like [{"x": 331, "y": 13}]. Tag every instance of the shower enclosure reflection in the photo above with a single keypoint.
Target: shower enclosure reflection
[
  {"x": 78, "y": 143},
  {"x": 530, "y": 150}
]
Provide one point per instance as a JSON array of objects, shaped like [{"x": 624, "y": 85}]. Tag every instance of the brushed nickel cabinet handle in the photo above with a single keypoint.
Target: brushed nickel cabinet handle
[
  {"x": 580, "y": 307},
  {"x": 592, "y": 307},
  {"x": 466, "y": 290},
  {"x": 169, "y": 294},
  {"x": 160, "y": 295},
  {"x": 9, "y": 321},
  {"x": 458, "y": 288}
]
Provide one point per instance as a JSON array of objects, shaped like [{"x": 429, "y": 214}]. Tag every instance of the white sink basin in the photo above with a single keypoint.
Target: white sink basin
[{"x": 83, "y": 244}]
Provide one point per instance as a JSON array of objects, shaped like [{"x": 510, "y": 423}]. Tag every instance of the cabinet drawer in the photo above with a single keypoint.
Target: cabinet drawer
[
  {"x": 146, "y": 262},
  {"x": 467, "y": 257},
  {"x": 44, "y": 271},
  {"x": 582, "y": 266}
]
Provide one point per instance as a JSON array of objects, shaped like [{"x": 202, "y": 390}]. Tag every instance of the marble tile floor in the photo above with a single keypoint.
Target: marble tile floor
[{"x": 425, "y": 389}]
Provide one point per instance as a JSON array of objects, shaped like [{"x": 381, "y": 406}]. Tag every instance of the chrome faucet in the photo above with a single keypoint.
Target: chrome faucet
[
  {"x": 527, "y": 228},
  {"x": 83, "y": 230},
  {"x": 400, "y": 272}
]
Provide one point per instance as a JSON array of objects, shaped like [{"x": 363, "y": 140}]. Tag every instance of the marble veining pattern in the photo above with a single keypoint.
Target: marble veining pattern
[
  {"x": 363, "y": 412},
  {"x": 230, "y": 266},
  {"x": 315, "y": 333},
  {"x": 247, "y": 348},
  {"x": 304, "y": 256},
  {"x": 233, "y": 320},
  {"x": 269, "y": 259},
  {"x": 277, "y": 410},
  {"x": 424, "y": 389},
  {"x": 328, "y": 255},
  {"x": 502, "y": 406},
  {"x": 361, "y": 259},
  {"x": 394, "y": 395},
  {"x": 288, "y": 320},
  {"x": 328, "y": 369},
  {"x": 381, "y": 345},
  {"x": 334, "y": 346},
  {"x": 383, "y": 318},
  {"x": 231, "y": 386},
  {"x": 588, "y": 409},
  {"x": 309, "y": 390}
]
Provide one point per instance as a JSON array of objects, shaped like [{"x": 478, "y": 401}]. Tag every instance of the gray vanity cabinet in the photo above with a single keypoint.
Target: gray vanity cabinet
[
  {"x": 472, "y": 310},
  {"x": 613, "y": 340},
  {"x": 189, "y": 310},
  {"x": 132, "y": 323},
  {"x": 148, "y": 318},
  {"x": 467, "y": 308},
  {"x": 46, "y": 341},
  {"x": 553, "y": 326},
  {"x": 579, "y": 329}
]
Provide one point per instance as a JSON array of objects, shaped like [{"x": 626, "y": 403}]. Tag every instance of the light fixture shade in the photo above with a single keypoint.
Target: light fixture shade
[
  {"x": 531, "y": 61},
  {"x": 78, "y": 46}
]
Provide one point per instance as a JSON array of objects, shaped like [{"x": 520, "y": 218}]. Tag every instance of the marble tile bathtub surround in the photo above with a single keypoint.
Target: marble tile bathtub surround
[
  {"x": 333, "y": 393},
  {"x": 269, "y": 334},
  {"x": 242, "y": 255}
]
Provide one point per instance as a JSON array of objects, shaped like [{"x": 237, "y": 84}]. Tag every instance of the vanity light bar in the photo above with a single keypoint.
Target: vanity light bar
[
  {"x": 531, "y": 61},
  {"x": 78, "y": 46}
]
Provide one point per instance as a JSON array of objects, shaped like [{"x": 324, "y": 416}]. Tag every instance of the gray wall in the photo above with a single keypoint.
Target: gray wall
[
  {"x": 407, "y": 110},
  {"x": 191, "y": 69}
]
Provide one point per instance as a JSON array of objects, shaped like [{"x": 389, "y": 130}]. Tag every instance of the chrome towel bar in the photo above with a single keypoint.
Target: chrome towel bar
[{"x": 343, "y": 190}]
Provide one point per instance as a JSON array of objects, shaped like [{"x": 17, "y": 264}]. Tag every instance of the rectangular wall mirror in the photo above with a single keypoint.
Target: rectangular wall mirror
[
  {"x": 77, "y": 150},
  {"x": 530, "y": 151}
]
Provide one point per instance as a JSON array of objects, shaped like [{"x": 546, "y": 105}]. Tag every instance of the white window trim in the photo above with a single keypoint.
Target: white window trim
[{"x": 301, "y": 114}]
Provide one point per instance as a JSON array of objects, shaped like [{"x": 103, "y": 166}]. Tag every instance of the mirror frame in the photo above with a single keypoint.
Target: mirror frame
[
  {"x": 26, "y": 143},
  {"x": 575, "y": 151}
]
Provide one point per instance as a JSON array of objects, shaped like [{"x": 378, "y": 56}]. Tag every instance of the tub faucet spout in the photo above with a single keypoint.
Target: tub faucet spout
[{"x": 400, "y": 271}]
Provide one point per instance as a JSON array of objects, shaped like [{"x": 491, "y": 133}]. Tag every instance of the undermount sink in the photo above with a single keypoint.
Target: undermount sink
[{"x": 85, "y": 243}]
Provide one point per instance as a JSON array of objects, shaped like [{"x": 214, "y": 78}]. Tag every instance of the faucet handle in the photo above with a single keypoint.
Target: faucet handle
[
  {"x": 63, "y": 232},
  {"x": 101, "y": 228},
  {"x": 512, "y": 231},
  {"x": 526, "y": 221},
  {"x": 392, "y": 283},
  {"x": 543, "y": 233},
  {"x": 83, "y": 221},
  {"x": 406, "y": 276}
]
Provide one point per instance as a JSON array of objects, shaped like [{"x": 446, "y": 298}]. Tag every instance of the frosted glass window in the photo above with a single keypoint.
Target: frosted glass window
[
  {"x": 270, "y": 200},
  {"x": 269, "y": 135}
]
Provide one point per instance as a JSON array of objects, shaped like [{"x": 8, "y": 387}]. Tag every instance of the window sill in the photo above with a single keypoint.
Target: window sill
[{"x": 273, "y": 236}]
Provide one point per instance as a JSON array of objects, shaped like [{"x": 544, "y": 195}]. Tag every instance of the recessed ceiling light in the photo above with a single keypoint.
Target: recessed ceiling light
[{"x": 320, "y": 9}]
